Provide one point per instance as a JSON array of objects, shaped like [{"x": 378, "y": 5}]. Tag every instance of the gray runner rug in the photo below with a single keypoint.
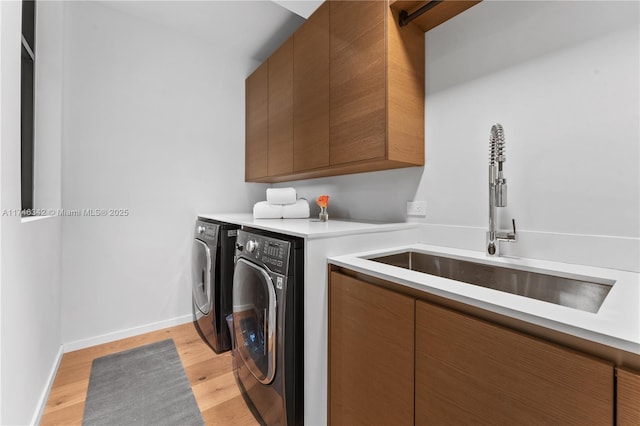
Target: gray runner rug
[{"x": 141, "y": 386}]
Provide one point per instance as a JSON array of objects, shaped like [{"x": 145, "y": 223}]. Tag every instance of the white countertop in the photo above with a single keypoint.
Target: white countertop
[
  {"x": 308, "y": 228},
  {"x": 616, "y": 324}
]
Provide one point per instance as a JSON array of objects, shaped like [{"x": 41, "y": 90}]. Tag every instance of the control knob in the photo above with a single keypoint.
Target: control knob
[
  {"x": 201, "y": 229},
  {"x": 252, "y": 246}
]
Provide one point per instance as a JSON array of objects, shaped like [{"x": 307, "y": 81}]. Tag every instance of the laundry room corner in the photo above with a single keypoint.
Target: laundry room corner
[
  {"x": 160, "y": 152},
  {"x": 30, "y": 275}
]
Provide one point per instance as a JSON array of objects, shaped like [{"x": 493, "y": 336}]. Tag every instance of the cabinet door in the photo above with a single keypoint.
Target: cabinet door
[
  {"x": 358, "y": 81},
  {"x": 280, "y": 158},
  {"x": 256, "y": 125},
  {"x": 371, "y": 354},
  {"x": 311, "y": 92},
  {"x": 472, "y": 372},
  {"x": 628, "y": 397}
]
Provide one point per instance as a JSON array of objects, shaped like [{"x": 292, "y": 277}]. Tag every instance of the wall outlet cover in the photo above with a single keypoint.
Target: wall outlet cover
[{"x": 417, "y": 208}]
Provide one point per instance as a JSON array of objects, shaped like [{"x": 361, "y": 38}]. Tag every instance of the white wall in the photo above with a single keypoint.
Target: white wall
[
  {"x": 153, "y": 123},
  {"x": 562, "y": 78},
  {"x": 29, "y": 250},
  {"x": 2, "y": 84},
  {"x": 48, "y": 106}
]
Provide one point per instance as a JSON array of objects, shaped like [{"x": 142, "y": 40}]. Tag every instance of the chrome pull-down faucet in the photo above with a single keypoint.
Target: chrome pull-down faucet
[{"x": 497, "y": 192}]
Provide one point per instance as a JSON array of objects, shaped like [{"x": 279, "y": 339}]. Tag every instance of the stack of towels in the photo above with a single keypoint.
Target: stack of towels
[{"x": 282, "y": 203}]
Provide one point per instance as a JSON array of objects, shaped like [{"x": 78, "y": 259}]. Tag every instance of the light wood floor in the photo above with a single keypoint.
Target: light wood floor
[{"x": 210, "y": 375}]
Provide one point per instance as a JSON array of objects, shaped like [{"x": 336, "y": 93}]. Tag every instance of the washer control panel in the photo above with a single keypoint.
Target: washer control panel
[{"x": 271, "y": 252}]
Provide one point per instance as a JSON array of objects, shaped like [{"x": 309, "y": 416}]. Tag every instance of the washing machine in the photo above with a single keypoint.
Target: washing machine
[
  {"x": 268, "y": 321},
  {"x": 212, "y": 278}
]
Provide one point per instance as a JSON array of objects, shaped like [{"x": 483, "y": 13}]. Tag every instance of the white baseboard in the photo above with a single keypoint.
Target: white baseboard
[
  {"x": 122, "y": 334},
  {"x": 85, "y": 343},
  {"x": 44, "y": 397}
]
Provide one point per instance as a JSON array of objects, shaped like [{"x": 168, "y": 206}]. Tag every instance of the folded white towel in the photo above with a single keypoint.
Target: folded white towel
[
  {"x": 299, "y": 210},
  {"x": 264, "y": 210},
  {"x": 281, "y": 195}
]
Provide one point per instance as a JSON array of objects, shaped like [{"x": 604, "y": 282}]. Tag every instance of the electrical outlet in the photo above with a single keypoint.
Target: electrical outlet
[{"x": 417, "y": 208}]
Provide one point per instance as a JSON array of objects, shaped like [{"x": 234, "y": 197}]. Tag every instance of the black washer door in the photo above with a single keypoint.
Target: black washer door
[
  {"x": 254, "y": 319},
  {"x": 201, "y": 276}
]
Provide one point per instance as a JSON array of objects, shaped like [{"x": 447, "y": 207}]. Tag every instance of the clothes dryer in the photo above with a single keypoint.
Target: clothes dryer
[{"x": 212, "y": 278}]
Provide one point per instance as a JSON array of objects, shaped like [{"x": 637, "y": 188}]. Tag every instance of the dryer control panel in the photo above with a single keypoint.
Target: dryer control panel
[{"x": 206, "y": 231}]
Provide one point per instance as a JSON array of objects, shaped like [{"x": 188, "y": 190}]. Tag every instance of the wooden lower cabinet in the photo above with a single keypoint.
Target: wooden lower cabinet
[
  {"x": 371, "y": 354},
  {"x": 469, "y": 371},
  {"x": 628, "y": 397},
  {"x": 397, "y": 359}
]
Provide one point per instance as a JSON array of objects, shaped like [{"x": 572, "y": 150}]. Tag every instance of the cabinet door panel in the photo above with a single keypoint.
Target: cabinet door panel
[
  {"x": 472, "y": 372},
  {"x": 311, "y": 92},
  {"x": 256, "y": 125},
  {"x": 281, "y": 110},
  {"x": 371, "y": 354},
  {"x": 628, "y": 397},
  {"x": 358, "y": 81},
  {"x": 405, "y": 91}
]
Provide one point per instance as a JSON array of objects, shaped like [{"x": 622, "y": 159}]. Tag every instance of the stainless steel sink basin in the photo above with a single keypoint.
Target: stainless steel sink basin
[{"x": 574, "y": 292}]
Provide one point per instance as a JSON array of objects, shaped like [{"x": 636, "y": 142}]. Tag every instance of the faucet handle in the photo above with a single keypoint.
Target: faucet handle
[{"x": 514, "y": 235}]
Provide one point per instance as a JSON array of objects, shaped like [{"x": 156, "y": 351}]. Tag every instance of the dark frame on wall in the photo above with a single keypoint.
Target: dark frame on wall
[{"x": 27, "y": 105}]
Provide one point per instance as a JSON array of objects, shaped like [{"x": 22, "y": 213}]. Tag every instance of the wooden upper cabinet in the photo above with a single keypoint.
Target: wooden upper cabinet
[
  {"x": 472, "y": 372},
  {"x": 358, "y": 81},
  {"x": 377, "y": 86},
  {"x": 311, "y": 92},
  {"x": 345, "y": 95},
  {"x": 628, "y": 397},
  {"x": 280, "y": 153},
  {"x": 371, "y": 354},
  {"x": 405, "y": 91},
  {"x": 256, "y": 123}
]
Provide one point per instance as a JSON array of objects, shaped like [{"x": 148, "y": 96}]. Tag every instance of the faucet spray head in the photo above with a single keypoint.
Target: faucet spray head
[
  {"x": 497, "y": 146},
  {"x": 497, "y": 155}
]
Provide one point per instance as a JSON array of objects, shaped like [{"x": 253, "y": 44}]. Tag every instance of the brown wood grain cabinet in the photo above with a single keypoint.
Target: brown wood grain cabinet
[
  {"x": 280, "y": 111},
  {"x": 256, "y": 123},
  {"x": 401, "y": 356},
  {"x": 358, "y": 81},
  {"x": 358, "y": 95},
  {"x": 377, "y": 86},
  {"x": 311, "y": 92},
  {"x": 371, "y": 354},
  {"x": 469, "y": 371},
  {"x": 628, "y": 397}
]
